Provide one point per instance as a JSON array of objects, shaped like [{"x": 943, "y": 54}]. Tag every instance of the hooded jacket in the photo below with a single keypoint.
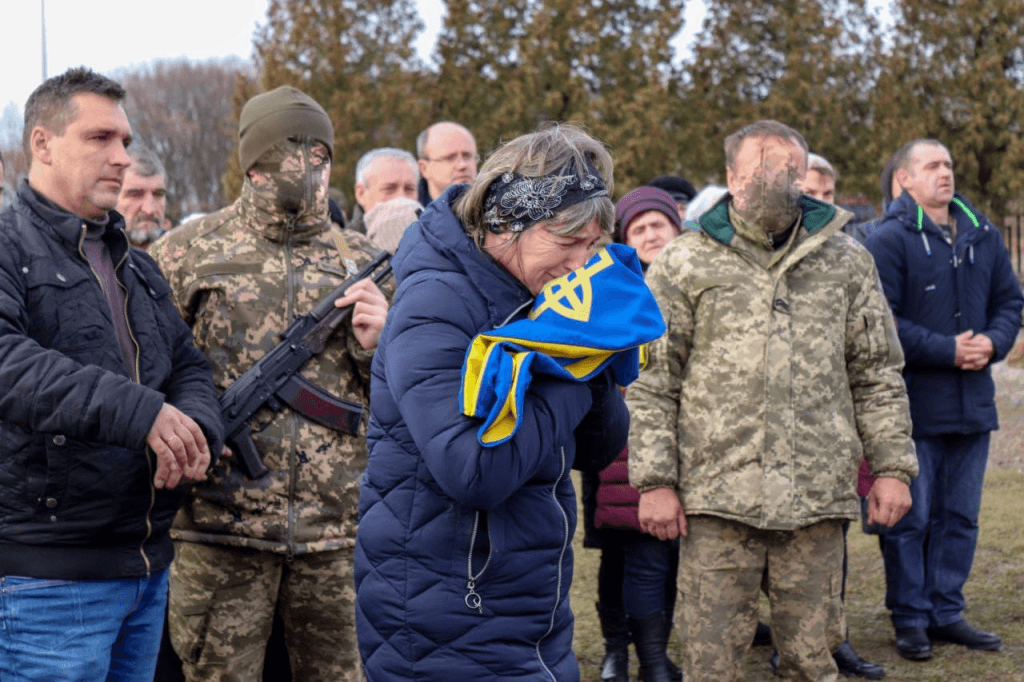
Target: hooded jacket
[
  {"x": 77, "y": 500},
  {"x": 240, "y": 276},
  {"x": 938, "y": 290},
  {"x": 464, "y": 553},
  {"x": 779, "y": 369}
]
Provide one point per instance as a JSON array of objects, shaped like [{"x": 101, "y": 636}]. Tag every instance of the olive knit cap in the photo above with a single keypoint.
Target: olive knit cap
[{"x": 274, "y": 116}]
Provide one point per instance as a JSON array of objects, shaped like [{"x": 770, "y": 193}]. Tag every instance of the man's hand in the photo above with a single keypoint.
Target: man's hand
[
  {"x": 369, "y": 312},
  {"x": 661, "y": 514},
  {"x": 973, "y": 351},
  {"x": 888, "y": 500},
  {"x": 180, "y": 448}
]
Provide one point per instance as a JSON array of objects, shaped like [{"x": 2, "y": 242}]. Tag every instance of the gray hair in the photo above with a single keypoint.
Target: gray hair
[
  {"x": 816, "y": 162},
  {"x": 50, "y": 104},
  {"x": 145, "y": 162},
  {"x": 367, "y": 159},
  {"x": 554, "y": 148},
  {"x": 763, "y": 128}
]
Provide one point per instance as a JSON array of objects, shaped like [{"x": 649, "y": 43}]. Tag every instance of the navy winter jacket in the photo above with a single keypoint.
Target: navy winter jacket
[
  {"x": 938, "y": 290},
  {"x": 464, "y": 557},
  {"x": 77, "y": 500}
]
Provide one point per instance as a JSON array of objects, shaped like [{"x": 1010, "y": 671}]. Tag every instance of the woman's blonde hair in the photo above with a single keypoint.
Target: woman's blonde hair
[{"x": 553, "y": 149}]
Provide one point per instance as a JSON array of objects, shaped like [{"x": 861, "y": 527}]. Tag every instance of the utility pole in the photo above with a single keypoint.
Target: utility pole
[{"x": 42, "y": 8}]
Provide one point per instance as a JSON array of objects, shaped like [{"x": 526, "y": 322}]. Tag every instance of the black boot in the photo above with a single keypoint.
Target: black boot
[
  {"x": 673, "y": 670},
  {"x": 650, "y": 638},
  {"x": 615, "y": 627}
]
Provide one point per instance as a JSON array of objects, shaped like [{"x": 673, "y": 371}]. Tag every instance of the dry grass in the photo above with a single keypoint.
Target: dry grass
[{"x": 995, "y": 592}]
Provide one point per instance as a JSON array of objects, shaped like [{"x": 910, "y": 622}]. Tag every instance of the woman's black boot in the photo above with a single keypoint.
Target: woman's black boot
[
  {"x": 615, "y": 627},
  {"x": 650, "y": 637}
]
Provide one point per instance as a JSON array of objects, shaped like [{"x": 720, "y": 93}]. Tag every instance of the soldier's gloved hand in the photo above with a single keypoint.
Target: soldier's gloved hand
[
  {"x": 180, "y": 447},
  {"x": 370, "y": 310}
]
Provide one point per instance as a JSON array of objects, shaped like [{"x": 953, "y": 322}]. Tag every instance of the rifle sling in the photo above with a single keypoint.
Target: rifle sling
[{"x": 313, "y": 402}]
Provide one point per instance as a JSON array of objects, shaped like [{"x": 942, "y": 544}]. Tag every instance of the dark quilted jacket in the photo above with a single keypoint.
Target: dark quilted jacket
[
  {"x": 76, "y": 494},
  {"x": 464, "y": 556}
]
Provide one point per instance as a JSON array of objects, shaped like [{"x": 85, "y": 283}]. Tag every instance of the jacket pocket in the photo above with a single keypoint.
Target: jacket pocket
[{"x": 61, "y": 307}]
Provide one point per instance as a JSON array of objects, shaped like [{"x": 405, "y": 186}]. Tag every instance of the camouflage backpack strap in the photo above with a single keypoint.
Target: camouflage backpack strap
[{"x": 346, "y": 254}]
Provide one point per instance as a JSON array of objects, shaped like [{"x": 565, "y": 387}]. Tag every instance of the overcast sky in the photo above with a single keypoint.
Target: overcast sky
[{"x": 109, "y": 34}]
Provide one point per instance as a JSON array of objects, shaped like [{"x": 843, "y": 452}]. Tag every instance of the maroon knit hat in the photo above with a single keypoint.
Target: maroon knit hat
[{"x": 641, "y": 200}]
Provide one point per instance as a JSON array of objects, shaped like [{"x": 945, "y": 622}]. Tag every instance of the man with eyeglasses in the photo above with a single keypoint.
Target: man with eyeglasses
[{"x": 447, "y": 156}]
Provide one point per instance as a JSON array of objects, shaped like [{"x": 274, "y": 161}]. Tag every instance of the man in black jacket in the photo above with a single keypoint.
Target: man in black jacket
[{"x": 105, "y": 404}]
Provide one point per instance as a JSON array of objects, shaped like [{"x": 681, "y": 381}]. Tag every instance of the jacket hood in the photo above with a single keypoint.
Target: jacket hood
[
  {"x": 815, "y": 215},
  {"x": 909, "y": 214},
  {"x": 438, "y": 242}
]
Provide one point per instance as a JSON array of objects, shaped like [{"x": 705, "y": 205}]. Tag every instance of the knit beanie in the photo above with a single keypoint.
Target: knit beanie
[
  {"x": 680, "y": 188},
  {"x": 274, "y": 116},
  {"x": 641, "y": 200}
]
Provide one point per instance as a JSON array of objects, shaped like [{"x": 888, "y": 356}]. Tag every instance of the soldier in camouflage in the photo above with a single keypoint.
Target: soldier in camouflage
[
  {"x": 284, "y": 542},
  {"x": 779, "y": 369}
]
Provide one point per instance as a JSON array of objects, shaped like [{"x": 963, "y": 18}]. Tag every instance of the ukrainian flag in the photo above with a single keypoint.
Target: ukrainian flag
[{"x": 598, "y": 316}]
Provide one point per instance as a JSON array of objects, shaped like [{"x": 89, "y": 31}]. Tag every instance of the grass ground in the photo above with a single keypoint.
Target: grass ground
[{"x": 995, "y": 592}]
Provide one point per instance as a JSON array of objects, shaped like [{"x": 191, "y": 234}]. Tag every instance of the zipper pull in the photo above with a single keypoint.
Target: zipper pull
[{"x": 473, "y": 600}]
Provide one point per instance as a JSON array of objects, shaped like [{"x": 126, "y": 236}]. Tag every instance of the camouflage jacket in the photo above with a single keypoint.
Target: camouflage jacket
[
  {"x": 779, "y": 369},
  {"x": 239, "y": 279}
]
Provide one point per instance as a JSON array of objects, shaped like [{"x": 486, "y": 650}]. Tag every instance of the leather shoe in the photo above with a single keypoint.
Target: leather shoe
[
  {"x": 913, "y": 644},
  {"x": 852, "y": 665},
  {"x": 961, "y": 632}
]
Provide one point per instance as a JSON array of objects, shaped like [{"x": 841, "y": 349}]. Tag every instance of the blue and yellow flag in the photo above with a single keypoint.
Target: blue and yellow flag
[{"x": 595, "y": 317}]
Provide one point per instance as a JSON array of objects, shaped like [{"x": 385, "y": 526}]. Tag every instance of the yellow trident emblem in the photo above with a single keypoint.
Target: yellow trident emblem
[{"x": 577, "y": 305}]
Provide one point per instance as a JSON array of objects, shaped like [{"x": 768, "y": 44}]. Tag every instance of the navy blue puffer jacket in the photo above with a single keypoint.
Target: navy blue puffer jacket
[
  {"x": 938, "y": 290},
  {"x": 463, "y": 557}
]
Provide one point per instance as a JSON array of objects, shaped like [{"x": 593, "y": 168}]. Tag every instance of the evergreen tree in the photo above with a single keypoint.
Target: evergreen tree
[
  {"x": 956, "y": 73},
  {"x": 806, "y": 63},
  {"x": 355, "y": 57},
  {"x": 506, "y": 67}
]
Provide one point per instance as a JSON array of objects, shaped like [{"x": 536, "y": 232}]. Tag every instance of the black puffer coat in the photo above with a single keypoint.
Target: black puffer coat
[{"x": 76, "y": 494}]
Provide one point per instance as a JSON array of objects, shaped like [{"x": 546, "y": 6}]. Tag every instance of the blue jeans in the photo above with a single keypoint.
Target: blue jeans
[
  {"x": 649, "y": 579},
  {"x": 929, "y": 553},
  {"x": 81, "y": 630},
  {"x": 638, "y": 572}
]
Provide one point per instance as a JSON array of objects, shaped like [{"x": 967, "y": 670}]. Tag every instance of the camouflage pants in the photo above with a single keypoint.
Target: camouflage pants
[
  {"x": 222, "y": 603},
  {"x": 721, "y": 567}
]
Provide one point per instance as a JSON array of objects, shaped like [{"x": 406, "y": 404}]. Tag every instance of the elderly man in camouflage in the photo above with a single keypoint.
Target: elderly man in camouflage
[
  {"x": 780, "y": 367},
  {"x": 285, "y": 542}
]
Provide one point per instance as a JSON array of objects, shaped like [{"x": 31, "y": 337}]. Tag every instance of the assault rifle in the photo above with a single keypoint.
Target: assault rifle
[{"x": 275, "y": 379}]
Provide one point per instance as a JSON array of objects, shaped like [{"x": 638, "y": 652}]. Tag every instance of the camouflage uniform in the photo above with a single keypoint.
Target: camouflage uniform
[
  {"x": 779, "y": 370},
  {"x": 240, "y": 276}
]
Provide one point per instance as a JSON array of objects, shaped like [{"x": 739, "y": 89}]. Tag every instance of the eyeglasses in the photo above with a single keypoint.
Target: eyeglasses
[{"x": 456, "y": 156}]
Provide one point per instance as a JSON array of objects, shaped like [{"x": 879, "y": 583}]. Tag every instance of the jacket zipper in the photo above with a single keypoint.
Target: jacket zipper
[
  {"x": 473, "y": 600},
  {"x": 561, "y": 556},
  {"x": 137, "y": 378},
  {"x": 292, "y": 417}
]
